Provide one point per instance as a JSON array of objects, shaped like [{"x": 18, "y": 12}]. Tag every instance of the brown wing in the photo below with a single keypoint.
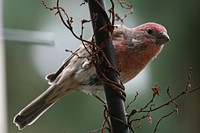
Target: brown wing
[{"x": 51, "y": 77}]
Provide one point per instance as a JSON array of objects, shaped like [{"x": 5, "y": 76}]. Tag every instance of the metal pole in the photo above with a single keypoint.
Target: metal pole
[{"x": 114, "y": 102}]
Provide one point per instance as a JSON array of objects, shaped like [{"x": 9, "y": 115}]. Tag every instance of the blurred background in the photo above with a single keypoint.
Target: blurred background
[{"x": 35, "y": 43}]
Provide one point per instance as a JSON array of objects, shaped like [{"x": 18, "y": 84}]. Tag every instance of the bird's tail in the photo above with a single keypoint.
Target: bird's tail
[{"x": 37, "y": 107}]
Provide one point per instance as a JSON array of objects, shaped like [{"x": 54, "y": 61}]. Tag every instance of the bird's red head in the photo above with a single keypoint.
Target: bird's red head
[
  {"x": 135, "y": 47},
  {"x": 151, "y": 33}
]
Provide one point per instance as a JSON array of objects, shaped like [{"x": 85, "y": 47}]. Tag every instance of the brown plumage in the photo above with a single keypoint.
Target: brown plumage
[{"x": 134, "y": 48}]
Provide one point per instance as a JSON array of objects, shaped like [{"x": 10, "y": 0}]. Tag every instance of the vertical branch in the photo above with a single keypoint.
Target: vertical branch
[{"x": 114, "y": 101}]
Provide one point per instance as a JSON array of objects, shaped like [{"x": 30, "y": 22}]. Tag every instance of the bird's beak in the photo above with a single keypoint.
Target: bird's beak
[{"x": 162, "y": 38}]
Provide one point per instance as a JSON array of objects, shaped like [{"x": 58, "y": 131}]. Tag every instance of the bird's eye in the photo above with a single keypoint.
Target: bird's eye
[{"x": 150, "y": 31}]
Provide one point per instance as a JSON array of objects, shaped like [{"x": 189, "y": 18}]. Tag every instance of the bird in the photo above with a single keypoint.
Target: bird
[{"x": 134, "y": 48}]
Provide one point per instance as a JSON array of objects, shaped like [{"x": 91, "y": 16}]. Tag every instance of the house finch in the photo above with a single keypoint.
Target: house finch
[{"x": 134, "y": 48}]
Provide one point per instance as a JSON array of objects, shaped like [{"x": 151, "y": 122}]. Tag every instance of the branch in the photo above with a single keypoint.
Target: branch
[
  {"x": 150, "y": 106},
  {"x": 124, "y": 4}
]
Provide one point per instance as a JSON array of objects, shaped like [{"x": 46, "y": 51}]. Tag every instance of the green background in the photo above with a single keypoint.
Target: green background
[{"x": 80, "y": 113}]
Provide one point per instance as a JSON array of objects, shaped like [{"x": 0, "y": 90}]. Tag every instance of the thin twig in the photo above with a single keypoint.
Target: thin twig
[
  {"x": 186, "y": 90},
  {"x": 135, "y": 97},
  {"x": 170, "y": 113}
]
